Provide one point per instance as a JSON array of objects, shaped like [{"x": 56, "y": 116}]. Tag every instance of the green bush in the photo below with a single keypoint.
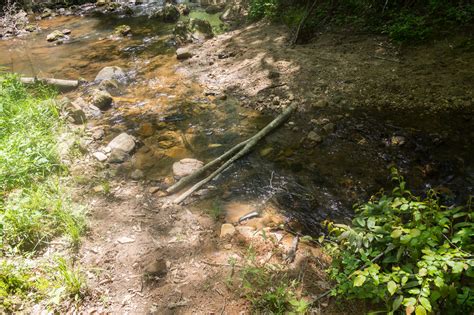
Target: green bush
[
  {"x": 406, "y": 251},
  {"x": 263, "y": 8}
]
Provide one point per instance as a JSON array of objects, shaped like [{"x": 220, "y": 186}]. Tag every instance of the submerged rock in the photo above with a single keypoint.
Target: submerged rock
[
  {"x": 101, "y": 99},
  {"x": 185, "y": 167},
  {"x": 111, "y": 73},
  {"x": 124, "y": 142}
]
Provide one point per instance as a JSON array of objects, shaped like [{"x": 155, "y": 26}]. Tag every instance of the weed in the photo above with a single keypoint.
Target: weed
[
  {"x": 411, "y": 253},
  {"x": 269, "y": 288}
]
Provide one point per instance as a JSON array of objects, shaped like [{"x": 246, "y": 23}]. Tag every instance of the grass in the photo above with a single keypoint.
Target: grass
[
  {"x": 35, "y": 202},
  {"x": 269, "y": 288}
]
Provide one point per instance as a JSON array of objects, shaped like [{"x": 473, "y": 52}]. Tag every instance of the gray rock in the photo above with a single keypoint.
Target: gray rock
[
  {"x": 101, "y": 99},
  {"x": 185, "y": 167},
  {"x": 169, "y": 13},
  {"x": 101, "y": 157},
  {"x": 118, "y": 156},
  {"x": 183, "y": 53},
  {"x": 314, "y": 137},
  {"x": 123, "y": 142},
  {"x": 98, "y": 134},
  {"x": 137, "y": 174},
  {"x": 111, "y": 73}
]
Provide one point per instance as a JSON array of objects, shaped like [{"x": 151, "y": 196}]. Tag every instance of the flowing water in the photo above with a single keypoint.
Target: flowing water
[{"x": 174, "y": 119}]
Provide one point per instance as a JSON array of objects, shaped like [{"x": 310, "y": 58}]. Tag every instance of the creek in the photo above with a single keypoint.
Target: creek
[{"x": 173, "y": 119}]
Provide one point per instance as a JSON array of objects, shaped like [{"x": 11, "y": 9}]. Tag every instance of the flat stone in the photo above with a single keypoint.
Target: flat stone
[
  {"x": 101, "y": 157},
  {"x": 124, "y": 142},
  {"x": 111, "y": 73},
  {"x": 227, "y": 229},
  {"x": 185, "y": 167}
]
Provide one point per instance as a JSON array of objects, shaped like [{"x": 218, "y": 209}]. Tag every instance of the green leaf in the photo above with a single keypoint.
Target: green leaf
[
  {"x": 396, "y": 233},
  {"x": 359, "y": 280},
  {"x": 414, "y": 232},
  {"x": 391, "y": 287},
  {"x": 420, "y": 310},
  {"x": 458, "y": 267},
  {"x": 397, "y": 302},
  {"x": 426, "y": 303},
  {"x": 439, "y": 282}
]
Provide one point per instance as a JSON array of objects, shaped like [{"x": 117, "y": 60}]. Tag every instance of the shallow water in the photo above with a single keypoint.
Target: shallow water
[{"x": 307, "y": 182}]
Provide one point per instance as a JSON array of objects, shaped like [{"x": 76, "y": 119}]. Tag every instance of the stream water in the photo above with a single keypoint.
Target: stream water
[{"x": 174, "y": 119}]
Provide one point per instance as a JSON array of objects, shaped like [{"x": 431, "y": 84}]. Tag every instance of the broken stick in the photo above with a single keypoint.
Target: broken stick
[{"x": 249, "y": 144}]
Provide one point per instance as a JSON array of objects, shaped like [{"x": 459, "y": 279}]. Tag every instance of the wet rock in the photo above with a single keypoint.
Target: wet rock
[
  {"x": 111, "y": 86},
  {"x": 227, "y": 229},
  {"x": 137, "y": 174},
  {"x": 156, "y": 268},
  {"x": 124, "y": 142},
  {"x": 202, "y": 29},
  {"x": 169, "y": 13},
  {"x": 183, "y": 53},
  {"x": 314, "y": 137},
  {"x": 122, "y": 30},
  {"x": 66, "y": 31},
  {"x": 118, "y": 156},
  {"x": 99, "y": 156},
  {"x": 185, "y": 167},
  {"x": 46, "y": 13},
  {"x": 183, "y": 9},
  {"x": 111, "y": 73},
  {"x": 31, "y": 28},
  {"x": 54, "y": 36},
  {"x": 101, "y": 99}
]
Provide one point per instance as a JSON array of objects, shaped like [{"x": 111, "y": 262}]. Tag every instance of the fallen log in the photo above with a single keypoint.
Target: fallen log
[
  {"x": 248, "y": 145},
  {"x": 59, "y": 83}
]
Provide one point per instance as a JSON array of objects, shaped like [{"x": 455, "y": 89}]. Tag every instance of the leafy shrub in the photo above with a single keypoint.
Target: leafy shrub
[
  {"x": 263, "y": 8},
  {"x": 406, "y": 250}
]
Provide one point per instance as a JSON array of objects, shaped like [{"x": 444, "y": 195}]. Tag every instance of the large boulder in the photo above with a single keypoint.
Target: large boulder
[
  {"x": 182, "y": 34},
  {"x": 169, "y": 13},
  {"x": 123, "y": 142},
  {"x": 110, "y": 73},
  {"x": 185, "y": 167}
]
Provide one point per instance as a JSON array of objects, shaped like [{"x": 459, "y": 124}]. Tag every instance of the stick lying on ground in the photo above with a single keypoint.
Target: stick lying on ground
[
  {"x": 245, "y": 147},
  {"x": 60, "y": 84}
]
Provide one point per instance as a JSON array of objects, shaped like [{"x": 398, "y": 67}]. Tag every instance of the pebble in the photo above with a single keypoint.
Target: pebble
[
  {"x": 101, "y": 157},
  {"x": 227, "y": 229}
]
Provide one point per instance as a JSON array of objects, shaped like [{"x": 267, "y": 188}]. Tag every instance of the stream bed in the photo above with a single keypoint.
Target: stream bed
[{"x": 173, "y": 118}]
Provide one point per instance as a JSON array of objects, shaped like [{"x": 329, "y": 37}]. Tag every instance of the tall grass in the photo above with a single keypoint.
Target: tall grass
[{"x": 35, "y": 204}]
